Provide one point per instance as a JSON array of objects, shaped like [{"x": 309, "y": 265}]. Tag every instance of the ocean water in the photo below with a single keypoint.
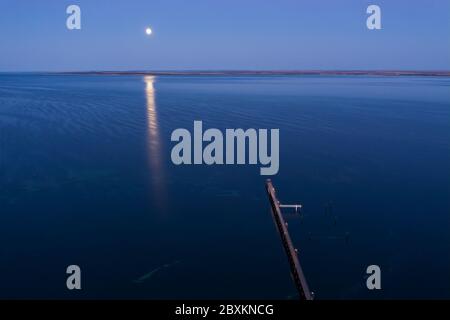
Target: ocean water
[{"x": 86, "y": 179}]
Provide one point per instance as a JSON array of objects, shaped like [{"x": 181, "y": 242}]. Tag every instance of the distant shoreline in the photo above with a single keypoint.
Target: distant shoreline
[
  {"x": 387, "y": 73},
  {"x": 261, "y": 73}
]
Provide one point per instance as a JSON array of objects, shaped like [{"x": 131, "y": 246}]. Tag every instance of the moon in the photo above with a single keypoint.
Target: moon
[{"x": 148, "y": 31}]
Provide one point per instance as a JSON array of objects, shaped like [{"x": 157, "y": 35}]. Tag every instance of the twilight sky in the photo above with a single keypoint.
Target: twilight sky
[{"x": 224, "y": 34}]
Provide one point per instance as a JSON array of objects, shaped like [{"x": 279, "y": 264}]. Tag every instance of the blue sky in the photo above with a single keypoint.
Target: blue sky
[{"x": 224, "y": 34}]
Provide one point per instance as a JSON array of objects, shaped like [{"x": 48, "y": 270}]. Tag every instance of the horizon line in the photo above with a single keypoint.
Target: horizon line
[{"x": 385, "y": 72}]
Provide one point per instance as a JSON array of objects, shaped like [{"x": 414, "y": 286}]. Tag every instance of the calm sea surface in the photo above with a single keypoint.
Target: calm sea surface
[{"x": 86, "y": 178}]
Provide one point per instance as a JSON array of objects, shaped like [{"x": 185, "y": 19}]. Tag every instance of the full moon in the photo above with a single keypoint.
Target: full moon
[{"x": 148, "y": 31}]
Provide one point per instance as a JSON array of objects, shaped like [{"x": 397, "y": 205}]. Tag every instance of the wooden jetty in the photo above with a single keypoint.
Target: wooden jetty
[{"x": 291, "y": 252}]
